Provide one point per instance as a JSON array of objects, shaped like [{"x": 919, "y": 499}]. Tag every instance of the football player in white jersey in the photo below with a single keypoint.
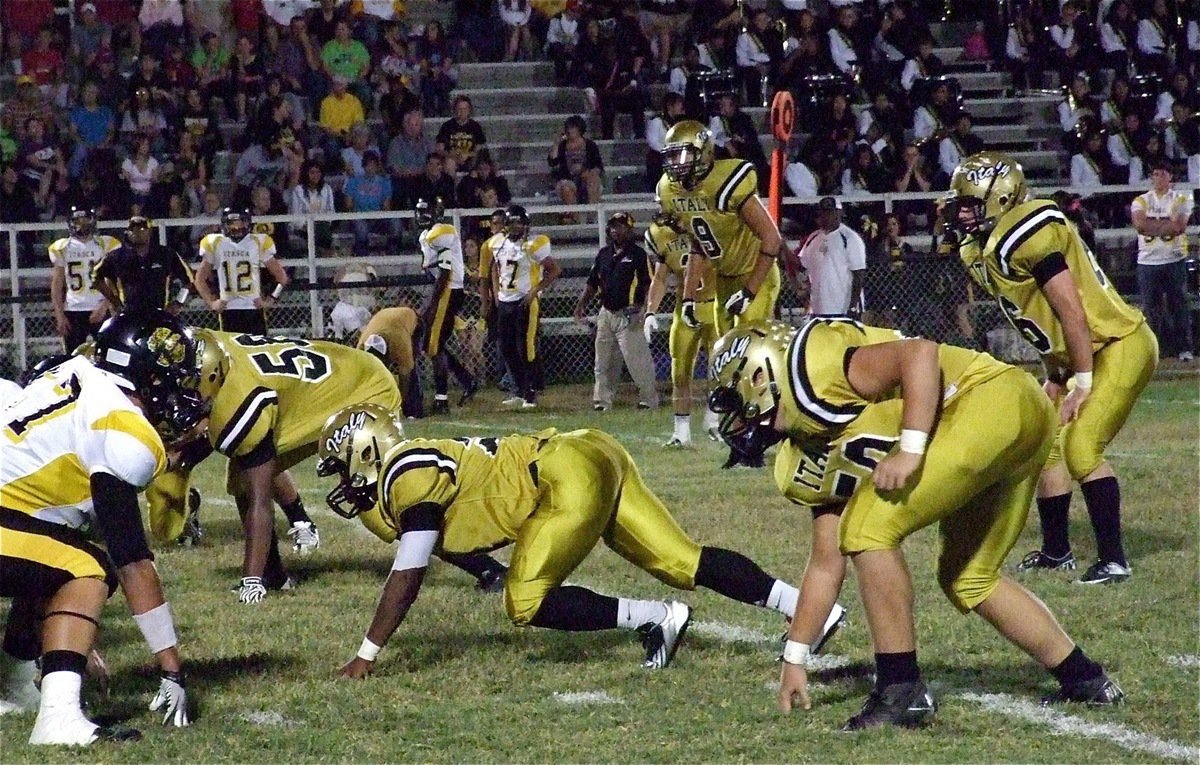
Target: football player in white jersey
[
  {"x": 442, "y": 258},
  {"x": 9, "y": 391},
  {"x": 237, "y": 257},
  {"x": 516, "y": 291},
  {"x": 77, "y": 447},
  {"x": 78, "y": 305}
]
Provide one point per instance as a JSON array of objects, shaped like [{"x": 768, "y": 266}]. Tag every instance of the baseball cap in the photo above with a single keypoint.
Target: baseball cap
[
  {"x": 621, "y": 219},
  {"x": 87, "y": 7},
  {"x": 829, "y": 203},
  {"x": 25, "y": 79}
]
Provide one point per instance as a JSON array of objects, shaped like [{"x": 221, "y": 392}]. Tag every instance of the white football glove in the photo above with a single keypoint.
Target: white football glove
[
  {"x": 251, "y": 590},
  {"x": 739, "y": 301},
  {"x": 171, "y": 700},
  {"x": 687, "y": 312},
  {"x": 650, "y": 327}
]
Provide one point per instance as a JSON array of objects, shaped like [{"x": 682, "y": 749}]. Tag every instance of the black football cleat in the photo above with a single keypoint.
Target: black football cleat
[
  {"x": 440, "y": 406},
  {"x": 491, "y": 580},
  {"x": 470, "y": 392},
  {"x": 1097, "y": 692},
  {"x": 905, "y": 705},
  {"x": 1106, "y": 572},
  {"x": 1038, "y": 560}
]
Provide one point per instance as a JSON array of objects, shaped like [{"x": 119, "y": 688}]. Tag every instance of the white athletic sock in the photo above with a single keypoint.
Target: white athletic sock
[
  {"x": 632, "y": 614},
  {"x": 683, "y": 427},
  {"x": 783, "y": 598},
  {"x": 60, "y": 690},
  {"x": 441, "y": 397},
  {"x": 711, "y": 420}
]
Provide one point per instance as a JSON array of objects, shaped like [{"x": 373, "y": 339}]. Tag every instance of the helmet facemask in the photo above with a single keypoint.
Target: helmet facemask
[
  {"x": 684, "y": 164},
  {"x": 747, "y": 425},
  {"x": 82, "y": 223}
]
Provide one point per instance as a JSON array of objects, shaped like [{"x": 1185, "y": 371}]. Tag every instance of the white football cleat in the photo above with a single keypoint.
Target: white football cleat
[
  {"x": 305, "y": 537},
  {"x": 678, "y": 443},
  {"x": 662, "y": 640},
  {"x": 64, "y": 727},
  {"x": 513, "y": 401},
  {"x": 833, "y": 623}
]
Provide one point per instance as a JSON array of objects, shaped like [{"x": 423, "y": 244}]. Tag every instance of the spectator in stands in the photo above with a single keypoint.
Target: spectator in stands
[
  {"x": 864, "y": 174},
  {"x": 1022, "y": 51},
  {"x": 1092, "y": 167},
  {"x": 722, "y": 19},
  {"x": 140, "y": 171},
  {"x": 1077, "y": 113},
  {"x": 586, "y": 65},
  {"x": 1180, "y": 89},
  {"x": 261, "y": 164},
  {"x": 807, "y": 60},
  {"x": 561, "y": 39},
  {"x": 1123, "y": 143},
  {"x": 975, "y": 47},
  {"x": 247, "y": 18},
  {"x": 687, "y": 68},
  {"x": 1118, "y": 35},
  {"x": 88, "y": 36},
  {"x": 273, "y": 115},
  {"x": 888, "y": 291},
  {"x": 620, "y": 91},
  {"x": 758, "y": 49},
  {"x": 144, "y": 118},
  {"x": 149, "y": 75},
  {"x": 177, "y": 72},
  {"x": 912, "y": 176},
  {"x": 575, "y": 165},
  {"x": 340, "y": 110},
  {"x": 323, "y": 21},
  {"x": 835, "y": 261},
  {"x": 460, "y": 137},
  {"x": 406, "y": 158},
  {"x": 29, "y": 102},
  {"x": 398, "y": 61},
  {"x": 518, "y": 41},
  {"x": 38, "y": 158},
  {"x": 193, "y": 171},
  {"x": 955, "y": 147},
  {"x": 1071, "y": 49},
  {"x": 923, "y": 65},
  {"x": 354, "y": 155},
  {"x": 207, "y": 17},
  {"x": 801, "y": 181},
  {"x": 883, "y": 113},
  {"x": 198, "y": 118},
  {"x": 312, "y": 196},
  {"x": 112, "y": 86},
  {"x": 439, "y": 75},
  {"x": 836, "y": 126},
  {"x": 45, "y": 64},
  {"x": 845, "y": 43},
  {"x": 656, "y": 132},
  {"x": 93, "y": 127},
  {"x": 298, "y": 61},
  {"x": 1160, "y": 217},
  {"x": 1151, "y": 152},
  {"x": 212, "y": 210},
  {"x": 715, "y": 51},
  {"x": 892, "y": 43},
  {"x": 434, "y": 182},
  {"x": 371, "y": 16},
  {"x": 1182, "y": 133},
  {"x": 620, "y": 275},
  {"x": 347, "y": 58},
  {"x": 18, "y": 206},
  {"x": 483, "y": 176},
  {"x": 1113, "y": 110},
  {"x": 370, "y": 192},
  {"x": 161, "y": 21},
  {"x": 211, "y": 62},
  {"x": 246, "y": 74},
  {"x": 1155, "y": 33}
]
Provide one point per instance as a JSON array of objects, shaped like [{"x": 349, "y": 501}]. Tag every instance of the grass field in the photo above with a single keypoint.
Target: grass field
[{"x": 458, "y": 683}]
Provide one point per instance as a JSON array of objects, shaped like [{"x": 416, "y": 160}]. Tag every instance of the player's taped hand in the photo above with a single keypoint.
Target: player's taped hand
[
  {"x": 687, "y": 311},
  {"x": 171, "y": 700},
  {"x": 739, "y": 301},
  {"x": 251, "y": 590}
]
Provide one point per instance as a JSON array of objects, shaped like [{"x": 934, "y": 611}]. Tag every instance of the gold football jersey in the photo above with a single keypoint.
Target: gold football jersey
[
  {"x": 1008, "y": 267},
  {"x": 711, "y": 213},
  {"x": 673, "y": 249},
  {"x": 287, "y": 388},
  {"x": 816, "y": 369},
  {"x": 485, "y": 485},
  {"x": 819, "y": 475}
]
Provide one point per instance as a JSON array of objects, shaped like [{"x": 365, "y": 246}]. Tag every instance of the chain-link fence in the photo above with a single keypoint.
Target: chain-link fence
[{"x": 921, "y": 292}]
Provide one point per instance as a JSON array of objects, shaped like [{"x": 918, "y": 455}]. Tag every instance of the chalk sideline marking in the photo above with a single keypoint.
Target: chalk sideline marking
[{"x": 587, "y": 697}]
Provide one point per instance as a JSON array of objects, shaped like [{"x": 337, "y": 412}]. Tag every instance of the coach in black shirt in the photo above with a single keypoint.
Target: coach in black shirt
[
  {"x": 621, "y": 276},
  {"x": 143, "y": 275}
]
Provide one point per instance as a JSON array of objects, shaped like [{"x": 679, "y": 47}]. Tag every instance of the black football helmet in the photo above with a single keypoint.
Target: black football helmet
[
  {"x": 518, "y": 221},
  {"x": 81, "y": 221},
  {"x": 428, "y": 212},
  {"x": 139, "y": 231},
  {"x": 156, "y": 355},
  {"x": 42, "y": 367},
  {"x": 235, "y": 224},
  {"x": 498, "y": 222}
]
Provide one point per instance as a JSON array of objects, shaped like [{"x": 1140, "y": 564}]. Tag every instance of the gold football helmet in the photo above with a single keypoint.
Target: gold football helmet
[
  {"x": 214, "y": 363},
  {"x": 750, "y": 381},
  {"x": 688, "y": 153},
  {"x": 984, "y": 187},
  {"x": 352, "y": 446}
]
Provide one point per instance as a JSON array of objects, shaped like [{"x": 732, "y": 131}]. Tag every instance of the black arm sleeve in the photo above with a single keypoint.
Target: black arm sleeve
[
  {"x": 119, "y": 519},
  {"x": 1049, "y": 267},
  {"x": 426, "y": 516}
]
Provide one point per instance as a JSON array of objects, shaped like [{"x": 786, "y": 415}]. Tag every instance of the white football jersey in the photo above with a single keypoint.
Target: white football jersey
[
  {"x": 441, "y": 250},
  {"x": 516, "y": 261},
  {"x": 80, "y": 258},
  {"x": 238, "y": 266},
  {"x": 1157, "y": 250},
  {"x": 73, "y": 422},
  {"x": 9, "y": 391}
]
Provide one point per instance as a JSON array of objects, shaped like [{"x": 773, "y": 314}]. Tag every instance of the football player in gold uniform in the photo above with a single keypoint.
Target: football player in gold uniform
[
  {"x": 555, "y": 495},
  {"x": 390, "y": 336},
  {"x": 75, "y": 449},
  {"x": 773, "y": 381},
  {"x": 671, "y": 246},
  {"x": 1096, "y": 348},
  {"x": 717, "y": 202}
]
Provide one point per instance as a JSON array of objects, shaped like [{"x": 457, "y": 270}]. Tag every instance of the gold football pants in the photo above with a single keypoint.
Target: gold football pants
[
  {"x": 1121, "y": 370},
  {"x": 762, "y": 307},
  {"x": 977, "y": 481},
  {"x": 590, "y": 490},
  {"x": 685, "y": 342}
]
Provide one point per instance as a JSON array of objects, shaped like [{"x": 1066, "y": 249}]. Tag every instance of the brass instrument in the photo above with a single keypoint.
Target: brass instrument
[{"x": 1086, "y": 122}]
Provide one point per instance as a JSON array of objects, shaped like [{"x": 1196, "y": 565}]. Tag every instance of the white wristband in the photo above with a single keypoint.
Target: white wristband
[
  {"x": 913, "y": 441},
  {"x": 368, "y": 651},
  {"x": 795, "y": 652},
  {"x": 158, "y": 627},
  {"x": 275, "y": 293},
  {"x": 1083, "y": 380}
]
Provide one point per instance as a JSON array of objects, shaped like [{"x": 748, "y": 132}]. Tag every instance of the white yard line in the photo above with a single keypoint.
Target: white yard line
[
  {"x": 1062, "y": 724},
  {"x": 269, "y": 719},
  {"x": 587, "y": 697},
  {"x": 1186, "y": 661}
]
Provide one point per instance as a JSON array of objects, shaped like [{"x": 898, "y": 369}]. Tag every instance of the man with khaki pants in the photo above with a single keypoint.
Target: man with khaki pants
[{"x": 621, "y": 277}]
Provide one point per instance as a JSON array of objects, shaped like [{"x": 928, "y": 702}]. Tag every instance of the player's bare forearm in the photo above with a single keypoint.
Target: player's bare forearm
[
  {"x": 200, "y": 282},
  {"x": 1063, "y": 296},
  {"x": 105, "y": 288},
  {"x": 143, "y": 591},
  {"x": 754, "y": 215},
  {"x": 399, "y": 593},
  {"x": 822, "y": 581},
  {"x": 276, "y": 270},
  {"x": 58, "y": 284},
  {"x": 692, "y": 275},
  {"x": 762, "y": 267},
  {"x": 658, "y": 289}
]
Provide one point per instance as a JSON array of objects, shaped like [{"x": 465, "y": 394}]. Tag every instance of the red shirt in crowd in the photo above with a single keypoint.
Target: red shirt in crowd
[
  {"x": 45, "y": 66},
  {"x": 246, "y": 16},
  {"x": 26, "y": 16}
]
